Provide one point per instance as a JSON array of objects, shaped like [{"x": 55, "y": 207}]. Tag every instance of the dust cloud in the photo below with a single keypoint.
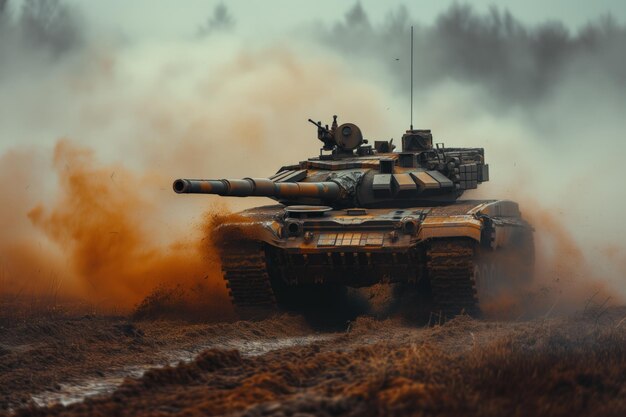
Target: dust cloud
[
  {"x": 98, "y": 223},
  {"x": 94, "y": 215},
  {"x": 94, "y": 140}
]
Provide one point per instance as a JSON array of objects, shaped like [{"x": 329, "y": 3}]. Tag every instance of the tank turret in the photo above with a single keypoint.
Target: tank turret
[{"x": 350, "y": 173}]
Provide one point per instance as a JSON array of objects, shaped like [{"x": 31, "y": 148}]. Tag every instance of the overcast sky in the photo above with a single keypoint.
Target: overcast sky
[{"x": 169, "y": 18}]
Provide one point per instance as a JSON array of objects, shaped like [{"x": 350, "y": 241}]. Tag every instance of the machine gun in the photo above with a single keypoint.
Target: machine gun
[{"x": 325, "y": 135}]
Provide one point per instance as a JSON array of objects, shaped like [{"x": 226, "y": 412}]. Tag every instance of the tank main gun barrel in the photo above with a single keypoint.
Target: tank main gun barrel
[{"x": 263, "y": 187}]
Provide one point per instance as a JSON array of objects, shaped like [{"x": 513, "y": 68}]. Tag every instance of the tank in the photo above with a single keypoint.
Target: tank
[{"x": 360, "y": 214}]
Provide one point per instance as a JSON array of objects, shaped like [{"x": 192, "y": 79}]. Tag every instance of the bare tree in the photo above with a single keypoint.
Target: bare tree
[
  {"x": 514, "y": 61},
  {"x": 221, "y": 20},
  {"x": 50, "y": 23},
  {"x": 3, "y": 11}
]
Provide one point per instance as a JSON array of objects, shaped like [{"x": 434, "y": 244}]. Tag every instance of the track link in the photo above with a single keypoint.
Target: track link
[
  {"x": 451, "y": 272},
  {"x": 244, "y": 268}
]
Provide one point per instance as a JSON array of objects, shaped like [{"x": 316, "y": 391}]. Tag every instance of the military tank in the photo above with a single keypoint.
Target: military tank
[{"x": 361, "y": 214}]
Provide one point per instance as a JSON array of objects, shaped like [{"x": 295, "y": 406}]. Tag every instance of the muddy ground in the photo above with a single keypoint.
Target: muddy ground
[{"x": 67, "y": 361}]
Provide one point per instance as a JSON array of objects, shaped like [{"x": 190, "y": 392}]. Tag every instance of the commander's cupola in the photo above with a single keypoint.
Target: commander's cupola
[{"x": 341, "y": 141}]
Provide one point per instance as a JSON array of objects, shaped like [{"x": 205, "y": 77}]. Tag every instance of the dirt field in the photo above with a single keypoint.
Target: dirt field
[{"x": 68, "y": 362}]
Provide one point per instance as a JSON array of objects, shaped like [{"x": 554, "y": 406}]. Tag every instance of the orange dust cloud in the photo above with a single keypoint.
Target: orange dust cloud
[{"x": 100, "y": 223}]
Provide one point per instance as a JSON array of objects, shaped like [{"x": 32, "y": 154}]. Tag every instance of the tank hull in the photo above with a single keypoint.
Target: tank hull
[{"x": 459, "y": 255}]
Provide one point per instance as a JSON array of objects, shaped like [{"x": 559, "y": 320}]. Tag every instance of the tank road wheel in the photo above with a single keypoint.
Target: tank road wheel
[
  {"x": 450, "y": 267},
  {"x": 244, "y": 268}
]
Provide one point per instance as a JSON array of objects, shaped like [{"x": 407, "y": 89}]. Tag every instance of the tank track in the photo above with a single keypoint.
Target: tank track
[
  {"x": 450, "y": 264},
  {"x": 244, "y": 268}
]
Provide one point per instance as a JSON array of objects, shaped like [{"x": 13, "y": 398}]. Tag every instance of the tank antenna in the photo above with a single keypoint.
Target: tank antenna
[{"x": 411, "y": 77}]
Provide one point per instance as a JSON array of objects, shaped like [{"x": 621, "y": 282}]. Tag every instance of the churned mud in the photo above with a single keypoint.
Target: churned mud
[
  {"x": 49, "y": 357},
  {"x": 89, "y": 365}
]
